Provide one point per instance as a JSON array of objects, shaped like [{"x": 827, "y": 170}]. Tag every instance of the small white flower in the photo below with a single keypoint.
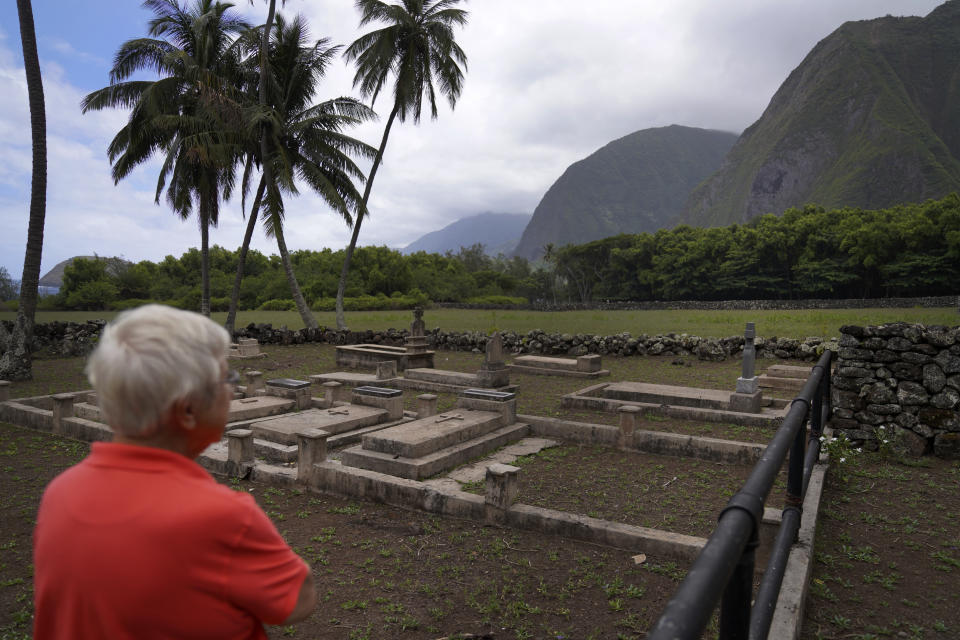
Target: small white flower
[
  {"x": 886, "y": 442},
  {"x": 882, "y": 428},
  {"x": 843, "y": 459},
  {"x": 823, "y": 438},
  {"x": 859, "y": 450}
]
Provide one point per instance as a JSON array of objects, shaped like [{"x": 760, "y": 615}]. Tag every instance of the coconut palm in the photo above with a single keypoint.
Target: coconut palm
[
  {"x": 15, "y": 363},
  {"x": 417, "y": 47},
  {"x": 192, "y": 114},
  {"x": 303, "y": 141}
]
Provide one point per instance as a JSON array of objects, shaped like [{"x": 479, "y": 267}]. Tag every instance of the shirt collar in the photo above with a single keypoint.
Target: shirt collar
[{"x": 144, "y": 459}]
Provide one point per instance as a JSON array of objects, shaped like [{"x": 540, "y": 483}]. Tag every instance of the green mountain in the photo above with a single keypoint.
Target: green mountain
[
  {"x": 870, "y": 118},
  {"x": 633, "y": 184}
]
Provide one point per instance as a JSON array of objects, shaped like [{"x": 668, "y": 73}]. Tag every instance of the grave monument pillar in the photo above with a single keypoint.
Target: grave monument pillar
[
  {"x": 747, "y": 397},
  {"x": 628, "y": 424},
  {"x": 4, "y": 390},
  {"x": 239, "y": 451},
  {"x": 426, "y": 405},
  {"x": 311, "y": 449},
  {"x": 501, "y": 490},
  {"x": 254, "y": 384},
  {"x": 62, "y": 408}
]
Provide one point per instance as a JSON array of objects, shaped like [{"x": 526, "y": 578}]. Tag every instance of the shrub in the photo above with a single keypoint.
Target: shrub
[
  {"x": 379, "y": 302},
  {"x": 278, "y": 304},
  {"x": 496, "y": 301},
  {"x": 130, "y": 303},
  {"x": 94, "y": 295}
]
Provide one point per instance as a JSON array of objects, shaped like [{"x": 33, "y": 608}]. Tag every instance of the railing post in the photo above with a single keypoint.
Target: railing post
[{"x": 735, "y": 605}]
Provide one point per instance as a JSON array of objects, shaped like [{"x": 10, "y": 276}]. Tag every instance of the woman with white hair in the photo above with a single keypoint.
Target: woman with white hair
[{"x": 138, "y": 540}]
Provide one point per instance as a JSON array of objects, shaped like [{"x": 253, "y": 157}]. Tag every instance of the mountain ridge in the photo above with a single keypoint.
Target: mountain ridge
[
  {"x": 868, "y": 119},
  {"x": 632, "y": 184}
]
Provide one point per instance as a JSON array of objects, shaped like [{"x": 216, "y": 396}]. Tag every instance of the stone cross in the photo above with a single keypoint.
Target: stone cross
[
  {"x": 747, "y": 382},
  {"x": 418, "y": 326},
  {"x": 445, "y": 418}
]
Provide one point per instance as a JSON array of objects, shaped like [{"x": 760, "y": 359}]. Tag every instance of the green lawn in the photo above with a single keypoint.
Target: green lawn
[{"x": 710, "y": 324}]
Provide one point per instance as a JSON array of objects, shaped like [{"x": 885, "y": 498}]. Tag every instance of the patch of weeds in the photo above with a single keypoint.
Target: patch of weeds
[
  {"x": 943, "y": 561},
  {"x": 349, "y": 510}
]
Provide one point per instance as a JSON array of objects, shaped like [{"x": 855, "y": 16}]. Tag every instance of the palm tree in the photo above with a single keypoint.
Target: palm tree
[
  {"x": 192, "y": 113},
  {"x": 418, "y": 48},
  {"x": 15, "y": 363},
  {"x": 303, "y": 141}
]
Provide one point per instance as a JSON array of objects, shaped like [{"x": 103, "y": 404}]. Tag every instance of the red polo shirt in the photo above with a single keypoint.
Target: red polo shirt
[{"x": 137, "y": 542}]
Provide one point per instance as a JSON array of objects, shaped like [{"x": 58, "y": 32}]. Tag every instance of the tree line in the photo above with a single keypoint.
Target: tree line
[
  {"x": 380, "y": 278},
  {"x": 907, "y": 250}
]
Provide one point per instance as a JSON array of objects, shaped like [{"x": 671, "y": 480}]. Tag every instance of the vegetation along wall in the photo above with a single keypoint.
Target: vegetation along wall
[{"x": 899, "y": 383}]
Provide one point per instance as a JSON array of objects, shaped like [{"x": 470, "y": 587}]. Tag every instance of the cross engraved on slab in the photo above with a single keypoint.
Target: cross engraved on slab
[
  {"x": 338, "y": 412},
  {"x": 447, "y": 418}
]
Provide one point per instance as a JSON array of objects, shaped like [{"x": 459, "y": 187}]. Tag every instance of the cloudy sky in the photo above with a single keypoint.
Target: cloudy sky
[{"x": 548, "y": 83}]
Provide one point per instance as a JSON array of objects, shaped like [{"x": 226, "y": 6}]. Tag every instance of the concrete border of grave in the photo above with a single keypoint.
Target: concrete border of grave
[
  {"x": 330, "y": 477},
  {"x": 589, "y": 366},
  {"x": 689, "y": 403}
]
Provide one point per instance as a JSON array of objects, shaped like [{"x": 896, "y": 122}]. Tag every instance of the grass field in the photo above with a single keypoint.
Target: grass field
[{"x": 709, "y": 324}]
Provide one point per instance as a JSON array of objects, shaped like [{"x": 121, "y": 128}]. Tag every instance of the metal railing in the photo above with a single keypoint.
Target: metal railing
[{"x": 725, "y": 566}]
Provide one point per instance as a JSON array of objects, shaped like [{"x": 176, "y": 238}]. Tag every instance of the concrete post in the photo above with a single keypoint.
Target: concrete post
[
  {"x": 239, "y": 451},
  {"x": 589, "y": 363},
  {"x": 4, "y": 390},
  {"x": 311, "y": 449},
  {"x": 502, "y": 487},
  {"x": 628, "y": 424},
  {"x": 426, "y": 405},
  {"x": 62, "y": 408},
  {"x": 331, "y": 393},
  {"x": 255, "y": 384}
]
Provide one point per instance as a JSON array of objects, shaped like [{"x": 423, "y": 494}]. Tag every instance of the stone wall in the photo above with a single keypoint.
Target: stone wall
[
  {"x": 901, "y": 383},
  {"x": 746, "y": 305},
  {"x": 71, "y": 339}
]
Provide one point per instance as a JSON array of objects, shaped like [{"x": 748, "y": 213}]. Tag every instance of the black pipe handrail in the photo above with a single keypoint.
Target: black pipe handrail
[{"x": 725, "y": 565}]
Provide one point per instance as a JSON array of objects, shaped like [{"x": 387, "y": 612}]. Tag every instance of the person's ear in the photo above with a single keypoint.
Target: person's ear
[{"x": 182, "y": 414}]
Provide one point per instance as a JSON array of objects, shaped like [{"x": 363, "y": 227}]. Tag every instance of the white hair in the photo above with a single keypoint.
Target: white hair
[{"x": 150, "y": 357}]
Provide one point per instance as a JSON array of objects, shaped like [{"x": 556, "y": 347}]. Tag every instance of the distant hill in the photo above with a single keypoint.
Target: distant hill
[
  {"x": 498, "y": 232},
  {"x": 54, "y": 277},
  {"x": 870, "y": 118},
  {"x": 633, "y": 184}
]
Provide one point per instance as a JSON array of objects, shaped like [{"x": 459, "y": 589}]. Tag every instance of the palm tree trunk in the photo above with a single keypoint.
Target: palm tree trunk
[
  {"x": 205, "y": 263},
  {"x": 341, "y": 323},
  {"x": 242, "y": 258},
  {"x": 308, "y": 320},
  {"x": 15, "y": 363}
]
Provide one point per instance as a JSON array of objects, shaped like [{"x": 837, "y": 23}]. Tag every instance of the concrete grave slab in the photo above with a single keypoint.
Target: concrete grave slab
[{"x": 339, "y": 419}]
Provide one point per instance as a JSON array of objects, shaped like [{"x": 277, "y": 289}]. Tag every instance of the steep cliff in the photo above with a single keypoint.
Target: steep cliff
[
  {"x": 870, "y": 118},
  {"x": 633, "y": 184}
]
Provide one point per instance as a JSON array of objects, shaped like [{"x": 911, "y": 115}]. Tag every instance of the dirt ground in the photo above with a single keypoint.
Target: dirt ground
[{"x": 887, "y": 555}]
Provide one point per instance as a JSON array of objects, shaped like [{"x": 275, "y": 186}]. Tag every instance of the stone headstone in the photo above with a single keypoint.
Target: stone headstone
[
  {"x": 386, "y": 369},
  {"x": 493, "y": 352}
]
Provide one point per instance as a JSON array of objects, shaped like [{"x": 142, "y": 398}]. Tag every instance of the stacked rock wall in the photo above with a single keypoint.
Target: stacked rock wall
[
  {"x": 899, "y": 381},
  {"x": 78, "y": 338}
]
